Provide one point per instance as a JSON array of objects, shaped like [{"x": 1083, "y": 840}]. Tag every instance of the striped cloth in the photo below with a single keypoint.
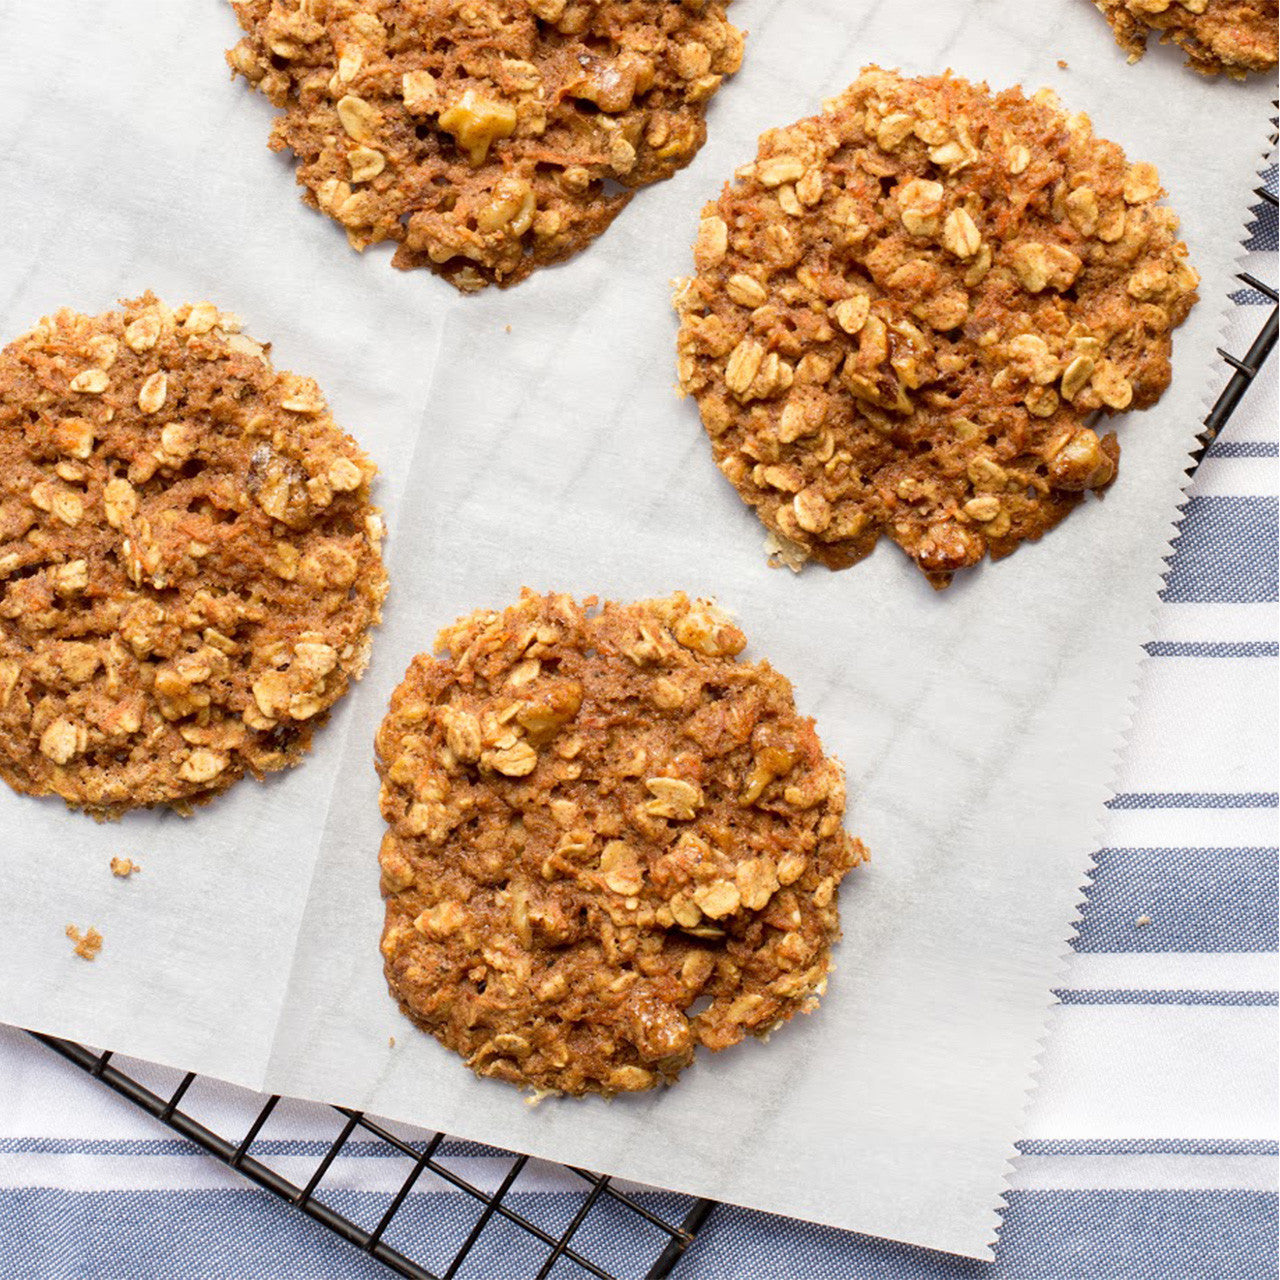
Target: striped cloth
[{"x": 1150, "y": 1148}]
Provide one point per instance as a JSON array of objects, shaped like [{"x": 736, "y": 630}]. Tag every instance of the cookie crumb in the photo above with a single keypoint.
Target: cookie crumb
[
  {"x": 87, "y": 945},
  {"x": 391, "y": 1042},
  {"x": 124, "y": 867},
  {"x": 1142, "y": 921},
  {"x": 1063, "y": 65}
]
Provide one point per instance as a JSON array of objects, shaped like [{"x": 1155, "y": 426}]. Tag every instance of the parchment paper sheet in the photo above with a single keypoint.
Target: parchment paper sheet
[{"x": 979, "y": 726}]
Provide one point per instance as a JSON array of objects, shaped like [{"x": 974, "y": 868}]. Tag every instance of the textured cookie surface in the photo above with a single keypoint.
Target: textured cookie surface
[
  {"x": 595, "y": 819},
  {"x": 189, "y": 564},
  {"x": 1235, "y": 36},
  {"x": 487, "y": 137},
  {"x": 908, "y": 309}
]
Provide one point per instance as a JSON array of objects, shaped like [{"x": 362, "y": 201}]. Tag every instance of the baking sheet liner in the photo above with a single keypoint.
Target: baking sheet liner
[{"x": 534, "y": 437}]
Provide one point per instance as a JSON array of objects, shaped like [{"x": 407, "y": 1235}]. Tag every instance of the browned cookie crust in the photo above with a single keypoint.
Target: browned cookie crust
[
  {"x": 907, "y": 309},
  {"x": 1235, "y": 36},
  {"x": 189, "y": 564},
  {"x": 487, "y": 137},
  {"x": 596, "y": 819}
]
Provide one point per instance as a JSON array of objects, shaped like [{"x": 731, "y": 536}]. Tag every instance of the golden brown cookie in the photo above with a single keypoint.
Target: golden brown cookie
[
  {"x": 189, "y": 564},
  {"x": 598, "y": 819},
  {"x": 1235, "y": 36},
  {"x": 486, "y": 137},
  {"x": 908, "y": 309}
]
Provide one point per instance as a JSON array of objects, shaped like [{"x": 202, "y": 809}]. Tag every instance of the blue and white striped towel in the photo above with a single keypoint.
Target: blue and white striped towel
[{"x": 1150, "y": 1148}]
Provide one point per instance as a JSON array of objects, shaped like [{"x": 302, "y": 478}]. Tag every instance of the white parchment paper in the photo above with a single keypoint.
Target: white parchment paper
[
  {"x": 534, "y": 437},
  {"x": 128, "y": 160}
]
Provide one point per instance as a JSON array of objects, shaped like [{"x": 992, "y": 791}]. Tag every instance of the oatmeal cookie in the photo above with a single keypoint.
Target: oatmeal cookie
[
  {"x": 598, "y": 819},
  {"x": 189, "y": 564},
  {"x": 486, "y": 137},
  {"x": 908, "y": 310},
  {"x": 1235, "y": 36}
]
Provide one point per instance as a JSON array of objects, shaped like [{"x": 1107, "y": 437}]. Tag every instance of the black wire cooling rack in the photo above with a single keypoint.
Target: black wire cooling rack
[
  {"x": 1246, "y": 367},
  {"x": 568, "y": 1245},
  {"x": 600, "y": 1196}
]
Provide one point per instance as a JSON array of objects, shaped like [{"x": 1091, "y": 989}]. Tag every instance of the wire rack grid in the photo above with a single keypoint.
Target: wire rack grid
[{"x": 566, "y": 1251}]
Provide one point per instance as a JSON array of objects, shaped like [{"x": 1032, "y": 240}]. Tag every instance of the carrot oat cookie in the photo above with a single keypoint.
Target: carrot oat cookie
[
  {"x": 487, "y": 137},
  {"x": 908, "y": 310},
  {"x": 1235, "y": 36},
  {"x": 189, "y": 564},
  {"x": 596, "y": 819}
]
